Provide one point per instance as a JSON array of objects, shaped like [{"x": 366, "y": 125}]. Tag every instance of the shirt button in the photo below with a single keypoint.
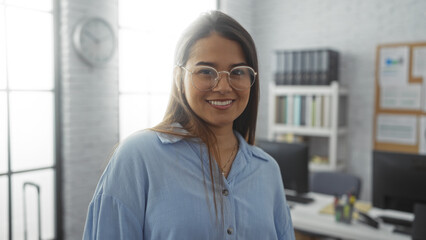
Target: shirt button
[
  {"x": 225, "y": 192},
  {"x": 229, "y": 231}
]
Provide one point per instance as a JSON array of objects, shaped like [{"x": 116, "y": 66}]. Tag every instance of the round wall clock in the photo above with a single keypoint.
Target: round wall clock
[{"x": 94, "y": 41}]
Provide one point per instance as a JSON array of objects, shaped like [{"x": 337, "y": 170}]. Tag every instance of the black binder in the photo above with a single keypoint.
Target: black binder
[{"x": 307, "y": 67}]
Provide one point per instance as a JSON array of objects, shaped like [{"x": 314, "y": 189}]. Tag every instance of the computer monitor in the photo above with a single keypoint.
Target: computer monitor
[
  {"x": 399, "y": 180},
  {"x": 293, "y": 160}
]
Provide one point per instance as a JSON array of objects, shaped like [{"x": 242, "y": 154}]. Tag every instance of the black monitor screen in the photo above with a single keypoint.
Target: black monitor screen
[
  {"x": 399, "y": 180},
  {"x": 293, "y": 160}
]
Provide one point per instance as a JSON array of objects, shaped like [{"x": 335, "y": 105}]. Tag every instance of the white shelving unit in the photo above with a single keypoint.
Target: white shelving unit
[{"x": 331, "y": 132}]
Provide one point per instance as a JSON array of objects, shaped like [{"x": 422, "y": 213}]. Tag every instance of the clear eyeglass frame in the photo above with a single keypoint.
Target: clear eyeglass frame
[{"x": 217, "y": 79}]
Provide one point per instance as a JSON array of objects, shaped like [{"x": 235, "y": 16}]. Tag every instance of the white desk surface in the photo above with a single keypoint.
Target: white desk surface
[{"x": 307, "y": 217}]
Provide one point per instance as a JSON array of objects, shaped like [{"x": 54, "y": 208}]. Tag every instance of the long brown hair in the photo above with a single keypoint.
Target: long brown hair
[{"x": 179, "y": 111}]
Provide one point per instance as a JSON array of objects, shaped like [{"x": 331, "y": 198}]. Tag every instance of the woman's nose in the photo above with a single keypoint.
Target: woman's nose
[{"x": 223, "y": 83}]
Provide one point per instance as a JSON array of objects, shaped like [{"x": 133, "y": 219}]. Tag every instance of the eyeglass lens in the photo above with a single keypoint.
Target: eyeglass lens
[{"x": 205, "y": 78}]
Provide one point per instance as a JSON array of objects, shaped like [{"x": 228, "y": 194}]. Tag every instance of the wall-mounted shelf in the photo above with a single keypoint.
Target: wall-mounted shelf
[{"x": 311, "y": 111}]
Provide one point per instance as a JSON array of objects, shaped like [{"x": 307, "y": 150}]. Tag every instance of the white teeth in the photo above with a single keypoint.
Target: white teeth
[{"x": 220, "y": 103}]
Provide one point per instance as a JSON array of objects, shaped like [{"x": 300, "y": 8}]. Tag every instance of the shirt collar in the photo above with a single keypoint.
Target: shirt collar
[
  {"x": 259, "y": 153},
  {"x": 250, "y": 150},
  {"x": 245, "y": 148},
  {"x": 166, "y": 138}
]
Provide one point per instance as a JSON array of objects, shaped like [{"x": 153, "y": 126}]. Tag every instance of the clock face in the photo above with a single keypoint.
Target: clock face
[{"x": 94, "y": 40}]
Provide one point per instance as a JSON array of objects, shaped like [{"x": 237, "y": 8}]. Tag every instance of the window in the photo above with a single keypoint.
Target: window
[
  {"x": 27, "y": 118},
  {"x": 148, "y": 32}
]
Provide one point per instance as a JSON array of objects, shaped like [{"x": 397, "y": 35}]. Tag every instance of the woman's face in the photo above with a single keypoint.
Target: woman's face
[{"x": 221, "y": 105}]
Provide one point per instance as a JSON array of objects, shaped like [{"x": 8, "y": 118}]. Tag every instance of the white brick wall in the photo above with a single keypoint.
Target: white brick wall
[
  {"x": 89, "y": 114},
  {"x": 354, "y": 28},
  {"x": 241, "y": 10}
]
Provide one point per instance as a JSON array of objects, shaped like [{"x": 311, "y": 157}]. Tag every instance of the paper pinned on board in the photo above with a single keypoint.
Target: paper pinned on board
[
  {"x": 400, "y": 129},
  {"x": 424, "y": 93},
  {"x": 419, "y": 62},
  {"x": 401, "y": 97},
  {"x": 422, "y": 135},
  {"x": 394, "y": 63}
]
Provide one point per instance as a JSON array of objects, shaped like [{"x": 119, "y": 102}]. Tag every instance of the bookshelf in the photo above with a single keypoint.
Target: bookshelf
[{"x": 320, "y": 117}]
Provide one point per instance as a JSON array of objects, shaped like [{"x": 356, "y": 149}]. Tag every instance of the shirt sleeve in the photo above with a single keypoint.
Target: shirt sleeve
[
  {"x": 110, "y": 219},
  {"x": 288, "y": 233},
  {"x": 283, "y": 221}
]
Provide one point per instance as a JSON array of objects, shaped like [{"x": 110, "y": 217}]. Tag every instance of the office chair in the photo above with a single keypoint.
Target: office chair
[
  {"x": 419, "y": 231},
  {"x": 335, "y": 183}
]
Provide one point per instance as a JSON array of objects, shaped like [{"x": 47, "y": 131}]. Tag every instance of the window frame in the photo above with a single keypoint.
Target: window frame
[{"x": 56, "y": 165}]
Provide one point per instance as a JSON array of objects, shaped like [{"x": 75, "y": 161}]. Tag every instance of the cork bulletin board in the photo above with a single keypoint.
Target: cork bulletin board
[{"x": 400, "y": 101}]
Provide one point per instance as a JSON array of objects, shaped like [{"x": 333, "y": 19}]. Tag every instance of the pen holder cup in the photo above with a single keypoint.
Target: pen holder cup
[{"x": 343, "y": 213}]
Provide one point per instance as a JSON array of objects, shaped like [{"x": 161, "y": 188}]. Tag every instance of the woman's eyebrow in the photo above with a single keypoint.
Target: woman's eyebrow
[
  {"x": 210, "y": 64},
  {"x": 238, "y": 64}
]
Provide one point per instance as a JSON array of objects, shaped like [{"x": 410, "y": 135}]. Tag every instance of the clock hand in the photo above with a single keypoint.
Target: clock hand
[
  {"x": 106, "y": 37},
  {"x": 91, "y": 36}
]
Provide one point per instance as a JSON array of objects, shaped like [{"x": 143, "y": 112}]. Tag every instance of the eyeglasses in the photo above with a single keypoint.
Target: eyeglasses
[{"x": 205, "y": 78}]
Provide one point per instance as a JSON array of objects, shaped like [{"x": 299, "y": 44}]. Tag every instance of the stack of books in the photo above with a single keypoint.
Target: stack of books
[
  {"x": 306, "y": 67},
  {"x": 303, "y": 110}
]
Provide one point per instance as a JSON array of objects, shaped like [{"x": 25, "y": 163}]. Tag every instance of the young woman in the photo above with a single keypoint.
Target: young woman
[{"x": 197, "y": 174}]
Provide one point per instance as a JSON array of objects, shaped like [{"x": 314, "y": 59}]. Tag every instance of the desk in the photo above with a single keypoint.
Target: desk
[{"x": 306, "y": 217}]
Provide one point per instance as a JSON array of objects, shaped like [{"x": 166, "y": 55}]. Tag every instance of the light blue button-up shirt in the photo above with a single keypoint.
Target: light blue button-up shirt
[{"x": 154, "y": 188}]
